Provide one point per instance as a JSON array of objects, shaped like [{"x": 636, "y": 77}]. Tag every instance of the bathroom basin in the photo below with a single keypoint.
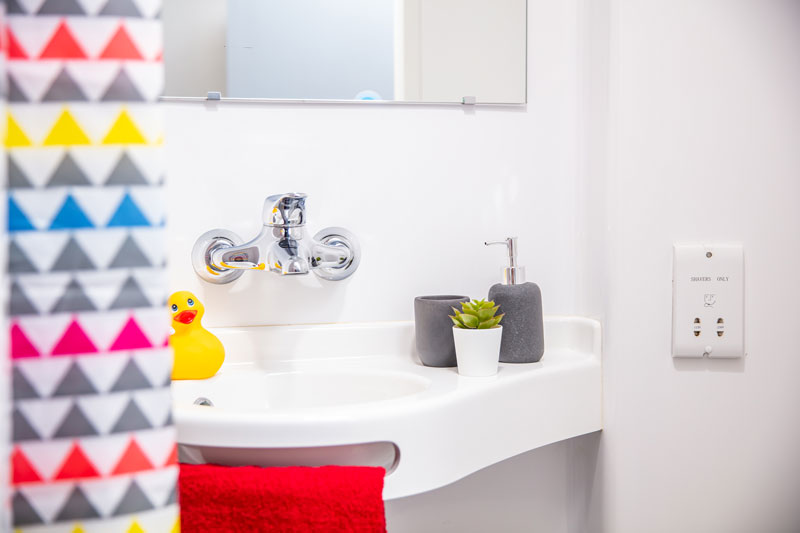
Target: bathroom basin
[
  {"x": 356, "y": 394},
  {"x": 256, "y": 390}
]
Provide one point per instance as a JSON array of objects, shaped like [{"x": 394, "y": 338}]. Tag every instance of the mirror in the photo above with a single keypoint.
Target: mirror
[{"x": 435, "y": 51}]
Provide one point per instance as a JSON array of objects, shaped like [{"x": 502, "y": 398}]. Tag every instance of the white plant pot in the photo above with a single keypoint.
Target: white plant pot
[{"x": 478, "y": 350}]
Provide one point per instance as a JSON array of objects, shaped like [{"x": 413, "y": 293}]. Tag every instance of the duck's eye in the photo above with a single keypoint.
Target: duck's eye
[
  {"x": 174, "y": 308},
  {"x": 190, "y": 302}
]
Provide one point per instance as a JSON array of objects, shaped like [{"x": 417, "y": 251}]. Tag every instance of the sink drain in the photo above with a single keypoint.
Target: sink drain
[{"x": 204, "y": 402}]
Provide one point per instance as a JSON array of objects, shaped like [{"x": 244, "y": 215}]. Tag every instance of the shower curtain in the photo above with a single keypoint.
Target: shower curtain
[{"x": 93, "y": 442}]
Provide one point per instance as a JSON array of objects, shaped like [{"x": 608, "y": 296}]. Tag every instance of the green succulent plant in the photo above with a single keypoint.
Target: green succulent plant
[{"x": 477, "y": 314}]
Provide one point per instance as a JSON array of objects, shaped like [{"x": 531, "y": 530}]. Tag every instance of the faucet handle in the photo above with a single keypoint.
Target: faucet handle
[{"x": 285, "y": 210}]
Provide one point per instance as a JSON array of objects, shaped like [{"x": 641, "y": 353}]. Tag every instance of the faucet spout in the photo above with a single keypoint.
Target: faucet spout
[{"x": 288, "y": 256}]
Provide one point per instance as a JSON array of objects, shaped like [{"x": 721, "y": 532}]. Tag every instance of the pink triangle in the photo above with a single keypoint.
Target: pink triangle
[
  {"x": 131, "y": 338},
  {"x": 74, "y": 341},
  {"x": 20, "y": 345}
]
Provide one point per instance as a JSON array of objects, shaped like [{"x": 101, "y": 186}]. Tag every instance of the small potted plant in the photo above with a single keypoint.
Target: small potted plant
[{"x": 477, "y": 333}]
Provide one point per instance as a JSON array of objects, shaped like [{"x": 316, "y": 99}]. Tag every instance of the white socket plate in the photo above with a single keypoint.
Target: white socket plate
[{"x": 708, "y": 300}]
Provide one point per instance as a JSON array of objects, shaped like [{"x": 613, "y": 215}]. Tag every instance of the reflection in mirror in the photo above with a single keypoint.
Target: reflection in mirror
[{"x": 397, "y": 50}]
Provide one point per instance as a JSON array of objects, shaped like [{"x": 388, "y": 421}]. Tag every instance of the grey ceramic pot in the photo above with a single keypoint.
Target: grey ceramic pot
[{"x": 434, "y": 329}]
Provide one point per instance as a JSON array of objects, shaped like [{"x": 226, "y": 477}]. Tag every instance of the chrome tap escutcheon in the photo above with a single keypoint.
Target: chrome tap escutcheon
[{"x": 220, "y": 256}]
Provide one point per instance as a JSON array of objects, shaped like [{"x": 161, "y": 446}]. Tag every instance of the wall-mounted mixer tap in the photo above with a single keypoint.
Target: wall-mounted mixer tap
[{"x": 333, "y": 253}]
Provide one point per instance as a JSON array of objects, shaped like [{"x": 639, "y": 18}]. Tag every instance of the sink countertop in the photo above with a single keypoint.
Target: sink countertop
[{"x": 329, "y": 385}]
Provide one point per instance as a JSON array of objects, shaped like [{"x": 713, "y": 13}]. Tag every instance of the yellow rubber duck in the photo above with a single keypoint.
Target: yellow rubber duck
[{"x": 198, "y": 353}]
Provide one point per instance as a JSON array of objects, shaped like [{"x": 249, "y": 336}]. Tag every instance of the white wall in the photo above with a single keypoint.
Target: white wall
[
  {"x": 422, "y": 187},
  {"x": 685, "y": 128},
  {"x": 705, "y": 126}
]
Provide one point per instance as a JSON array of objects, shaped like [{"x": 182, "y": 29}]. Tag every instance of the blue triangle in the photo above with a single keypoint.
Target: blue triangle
[
  {"x": 17, "y": 220},
  {"x": 71, "y": 216},
  {"x": 128, "y": 214}
]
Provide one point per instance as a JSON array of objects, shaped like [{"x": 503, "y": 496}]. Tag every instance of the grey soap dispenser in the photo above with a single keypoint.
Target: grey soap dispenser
[{"x": 523, "y": 325}]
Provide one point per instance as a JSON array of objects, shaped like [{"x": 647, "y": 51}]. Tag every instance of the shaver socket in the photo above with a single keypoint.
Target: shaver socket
[{"x": 708, "y": 300}]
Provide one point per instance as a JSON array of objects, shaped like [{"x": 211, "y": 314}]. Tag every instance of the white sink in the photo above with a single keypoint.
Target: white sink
[
  {"x": 357, "y": 394},
  {"x": 253, "y": 389}
]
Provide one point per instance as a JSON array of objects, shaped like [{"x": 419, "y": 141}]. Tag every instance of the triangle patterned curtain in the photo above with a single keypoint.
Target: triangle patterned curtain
[{"x": 92, "y": 440}]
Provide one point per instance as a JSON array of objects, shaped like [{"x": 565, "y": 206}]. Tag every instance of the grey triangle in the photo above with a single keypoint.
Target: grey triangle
[
  {"x": 126, "y": 173},
  {"x": 61, "y": 7},
  {"x": 13, "y": 8},
  {"x": 21, "y": 387},
  {"x": 131, "y": 419},
  {"x": 77, "y": 507},
  {"x": 74, "y": 382},
  {"x": 131, "y": 378},
  {"x": 15, "y": 94},
  {"x": 173, "y": 495},
  {"x": 17, "y": 260},
  {"x": 63, "y": 87},
  {"x": 72, "y": 257},
  {"x": 19, "y": 304},
  {"x": 16, "y": 177},
  {"x": 22, "y": 511},
  {"x": 134, "y": 501},
  {"x": 129, "y": 256},
  {"x": 73, "y": 299},
  {"x": 130, "y": 296},
  {"x": 121, "y": 8},
  {"x": 75, "y": 424},
  {"x": 21, "y": 428},
  {"x": 122, "y": 89},
  {"x": 68, "y": 173}
]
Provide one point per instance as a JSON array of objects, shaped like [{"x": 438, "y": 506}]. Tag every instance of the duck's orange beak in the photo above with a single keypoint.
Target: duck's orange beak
[{"x": 185, "y": 317}]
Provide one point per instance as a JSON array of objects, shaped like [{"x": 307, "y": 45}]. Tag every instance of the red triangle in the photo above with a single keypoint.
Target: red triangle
[
  {"x": 173, "y": 456},
  {"x": 20, "y": 345},
  {"x": 121, "y": 47},
  {"x": 15, "y": 50},
  {"x": 133, "y": 460},
  {"x": 131, "y": 338},
  {"x": 63, "y": 45},
  {"x": 74, "y": 341},
  {"x": 22, "y": 470},
  {"x": 76, "y": 465}
]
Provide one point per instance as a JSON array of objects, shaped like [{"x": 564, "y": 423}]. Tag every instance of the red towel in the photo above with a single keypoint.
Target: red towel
[{"x": 220, "y": 499}]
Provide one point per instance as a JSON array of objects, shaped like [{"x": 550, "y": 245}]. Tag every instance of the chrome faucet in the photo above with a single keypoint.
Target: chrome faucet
[{"x": 333, "y": 253}]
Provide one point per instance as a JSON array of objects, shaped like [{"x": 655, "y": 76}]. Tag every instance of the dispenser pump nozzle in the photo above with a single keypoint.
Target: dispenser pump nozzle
[{"x": 512, "y": 274}]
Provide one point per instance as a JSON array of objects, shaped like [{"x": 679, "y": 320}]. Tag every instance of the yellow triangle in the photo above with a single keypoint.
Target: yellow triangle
[
  {"x": 177, "y": 527},
  {"x": 66, "y": 132},
  {"x": 135, "y": 528},
  {"x": 78, "y": 529},
  {"x": 124, "y": 131},
  {"x": 15, "y": 137}
]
